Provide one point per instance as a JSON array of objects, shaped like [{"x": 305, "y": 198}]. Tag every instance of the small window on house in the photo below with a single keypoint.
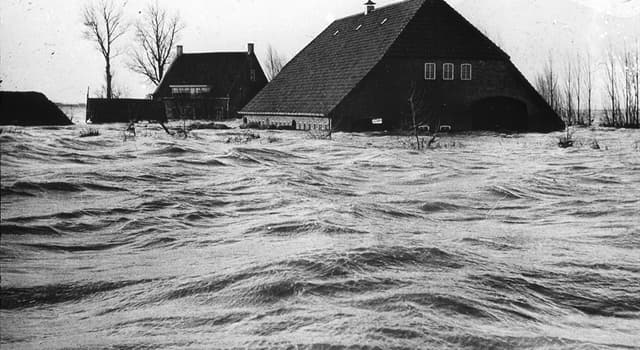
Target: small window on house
[
  {"x": 447, "y": 71},
  {"x": 252, "y": 75},
  {"x": 429, "y": 71},
  {"x": 190, "y": 89},
  {"x": 358, "y": 27},
  {"x": 384, "y": 21},
  {"x": 465, "y": 72}
]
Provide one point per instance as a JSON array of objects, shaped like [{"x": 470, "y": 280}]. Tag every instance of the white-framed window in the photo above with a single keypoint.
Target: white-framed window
[
  {"x": 466, "y": 71},
  {"x": 448, "y": 71},
  {"x": 190, "y": 89},
  {"x": 429, "y": 71}
]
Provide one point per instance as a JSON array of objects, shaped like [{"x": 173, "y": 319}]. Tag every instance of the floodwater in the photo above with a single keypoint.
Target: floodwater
[{"x": 286, "y": 241}]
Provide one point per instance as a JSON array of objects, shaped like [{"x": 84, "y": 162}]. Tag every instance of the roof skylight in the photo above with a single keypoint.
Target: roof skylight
[
  {"x": 358, "y": 27},
  {"x": 384, "y": 21},
  {"x": 337, "y": 32}
]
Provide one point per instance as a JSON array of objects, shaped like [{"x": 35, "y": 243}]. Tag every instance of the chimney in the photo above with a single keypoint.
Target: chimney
[
  {"x": 250, "y": 48},
  {"x": 370, "y": 6},
  {"x": 178, "y": 50}
]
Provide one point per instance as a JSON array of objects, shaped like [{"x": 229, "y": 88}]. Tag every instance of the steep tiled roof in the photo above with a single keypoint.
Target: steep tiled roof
[
  {"x": 217, "y": 69},
  {"x": 439, "y": 31},
  {"x": 324, "y": 72}
]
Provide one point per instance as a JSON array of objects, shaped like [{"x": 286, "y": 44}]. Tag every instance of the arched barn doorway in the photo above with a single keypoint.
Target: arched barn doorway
[
  {"x": 499, "y": 114},
  {"x": 294, "y": 125}
]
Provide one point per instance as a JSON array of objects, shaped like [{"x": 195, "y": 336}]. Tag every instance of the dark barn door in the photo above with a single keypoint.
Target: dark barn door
[{"x": 499, "y": 114}]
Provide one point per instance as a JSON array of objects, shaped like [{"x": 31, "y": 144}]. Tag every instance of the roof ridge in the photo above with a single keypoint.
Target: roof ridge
[
  {"x": 377, "y": 9},
  {"x": 214, "y": 52}
]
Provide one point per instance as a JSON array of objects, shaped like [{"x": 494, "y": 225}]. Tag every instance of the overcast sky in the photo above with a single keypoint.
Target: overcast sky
[{"x": 42, "y": 49}]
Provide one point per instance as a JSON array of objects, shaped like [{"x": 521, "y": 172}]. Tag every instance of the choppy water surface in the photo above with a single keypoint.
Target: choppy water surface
[{"x": 285, "y": 241}]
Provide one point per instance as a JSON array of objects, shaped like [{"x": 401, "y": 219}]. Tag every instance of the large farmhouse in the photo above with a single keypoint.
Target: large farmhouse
[
  {"x": 210, "y": 85},
  {"x": 418, "y": 57}
]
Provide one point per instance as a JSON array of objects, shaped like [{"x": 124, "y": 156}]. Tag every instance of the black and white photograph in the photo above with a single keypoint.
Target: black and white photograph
[{"x": 320, "y": 174}]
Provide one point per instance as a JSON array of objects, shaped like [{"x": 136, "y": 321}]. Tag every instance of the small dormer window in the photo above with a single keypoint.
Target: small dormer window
[
  {"x": 448, "y": 71},
  {"x": 359, "y": 26},
  {"x": 384, "y": 21},
  {"x": 252, "y": 75}
]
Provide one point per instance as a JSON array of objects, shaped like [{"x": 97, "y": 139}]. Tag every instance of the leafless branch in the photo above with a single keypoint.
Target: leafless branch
[
  {"x": 104, "y": 24},
  {"x": 156, "y": 34},
  {"x": 275, "y": 62}
]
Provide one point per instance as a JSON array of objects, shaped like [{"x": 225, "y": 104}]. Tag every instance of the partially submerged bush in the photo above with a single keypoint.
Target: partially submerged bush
[
  {"x": 431, "y": 143},
  {"x": 273, "y": 139},
  {"x": 320, "y": 134},
  {"x": 242, "y": 138},
  {"x": 89, "y": 132},
  {"x": 208, "y": 126},
  {"x": 250, "y": 125},
  {"x": 566, "y": 140}
]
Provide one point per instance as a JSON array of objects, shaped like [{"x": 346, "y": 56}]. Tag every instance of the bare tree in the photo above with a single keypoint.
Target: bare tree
[
  {"x": 588, "y": 85},
  {"x": 630, "y": 67},
  {"x": 275, "y": 62},
  {"x": 415, "y": 104},
  {"x": 611, "y": 86},
  {"x": 569, "y": 93},
  {"x": 104, "y": 24},
  {"x": 117, "y": 91},
  {"x": 627, "y": 71},
  {"x": 636, "y": 83},
  {"x": 547, "y": 85},
  {"x": 421, "y": 111},
  {"x": 156, "y": 33},
  {"x": 578, "y": 88}
]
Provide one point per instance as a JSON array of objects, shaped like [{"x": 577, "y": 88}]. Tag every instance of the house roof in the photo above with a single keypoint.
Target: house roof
[
  {"x": 216, "y": 69},
  {"x": 444, "y": 33},
  {"x": 325, "y": 71}
]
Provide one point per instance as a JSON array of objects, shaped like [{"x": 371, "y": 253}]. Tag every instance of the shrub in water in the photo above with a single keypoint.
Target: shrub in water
[
  {"x": 566, "y": 140},
  {"x": 90, "y": 132}
]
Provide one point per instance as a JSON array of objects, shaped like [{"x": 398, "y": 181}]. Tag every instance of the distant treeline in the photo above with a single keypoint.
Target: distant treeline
[{"x": 570, "y": 89}]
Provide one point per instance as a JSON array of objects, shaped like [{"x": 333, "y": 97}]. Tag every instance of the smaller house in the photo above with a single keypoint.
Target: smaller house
[{"x": 214, "y": 85}]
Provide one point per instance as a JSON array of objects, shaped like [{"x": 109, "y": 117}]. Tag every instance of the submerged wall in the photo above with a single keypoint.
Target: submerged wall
[
  {"x": 101, "y": 110},
  {"x": 293, "y": 122}
]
